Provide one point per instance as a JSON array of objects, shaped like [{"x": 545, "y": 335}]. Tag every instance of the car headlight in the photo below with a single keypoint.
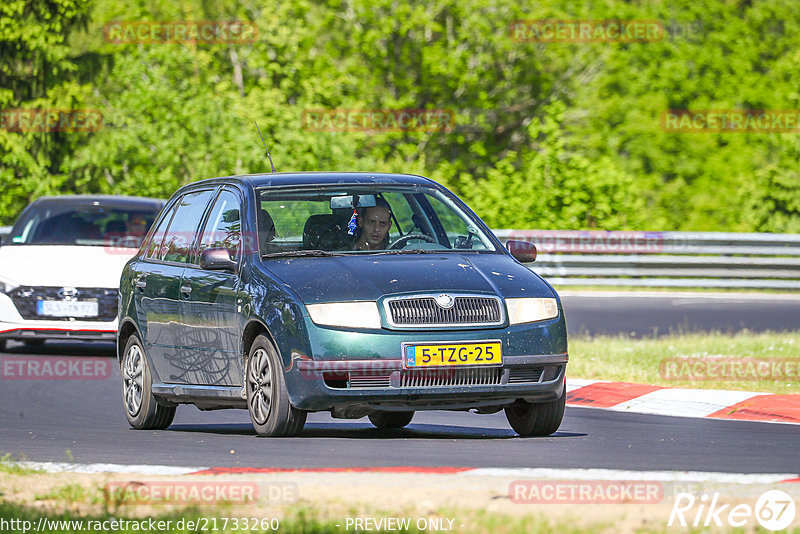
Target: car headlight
[
  {"x": 346, "y": 314},
  {"x": 529, "y": 310},
  {"x": 6, "y": 286}
]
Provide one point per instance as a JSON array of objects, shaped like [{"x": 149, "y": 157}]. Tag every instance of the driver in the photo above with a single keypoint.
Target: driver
[{"x": 374, "y": 224}]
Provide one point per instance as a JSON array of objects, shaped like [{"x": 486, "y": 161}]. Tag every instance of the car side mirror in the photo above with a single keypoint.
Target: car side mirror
[
  {"x": 217, "y": 259},
  {"x": 523, "y": 251}
]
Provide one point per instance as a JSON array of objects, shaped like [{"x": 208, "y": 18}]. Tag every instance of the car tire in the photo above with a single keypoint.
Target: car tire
[
  {"x": 390, "y": 419},
  {"x": 536, "y": 419},
  {"x": 142, "y": 409},
  {"x": 268, "y": 403}
]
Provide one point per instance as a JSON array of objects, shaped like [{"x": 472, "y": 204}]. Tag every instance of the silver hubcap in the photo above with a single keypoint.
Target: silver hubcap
[
  {"x": 132, "y": 372},
  {"x": 259, "y": 382}
]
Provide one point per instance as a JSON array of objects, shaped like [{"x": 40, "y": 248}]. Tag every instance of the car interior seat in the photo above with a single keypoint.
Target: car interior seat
[
  {"x": 71, "y": 229},
  {"x": 327, "y": 231},
  {"x": 266, "y": 231},
  {"x": 116, "y": 228}
]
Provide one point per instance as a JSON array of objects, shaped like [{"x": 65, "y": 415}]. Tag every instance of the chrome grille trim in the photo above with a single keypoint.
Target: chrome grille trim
[{"x": 422, "y": 311}]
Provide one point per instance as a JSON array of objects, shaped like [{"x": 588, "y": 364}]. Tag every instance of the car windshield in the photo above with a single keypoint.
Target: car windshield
[
  {"x": 65, "y": 223},
  {"x": 366, "y": 219}
]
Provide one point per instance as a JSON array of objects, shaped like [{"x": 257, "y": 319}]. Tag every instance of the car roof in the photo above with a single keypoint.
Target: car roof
[
  {"x": 279, "y": 179},
  {"x": 115, "y": 201}
]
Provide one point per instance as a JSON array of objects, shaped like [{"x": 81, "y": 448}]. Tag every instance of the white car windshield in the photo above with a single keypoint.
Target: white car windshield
[
  {"x": 65, "y": 223},
  {"x": 366, "y": 219}
]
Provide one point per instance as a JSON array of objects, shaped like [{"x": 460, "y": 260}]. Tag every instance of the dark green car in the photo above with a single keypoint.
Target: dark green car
[{"x": 359, "y": 294}]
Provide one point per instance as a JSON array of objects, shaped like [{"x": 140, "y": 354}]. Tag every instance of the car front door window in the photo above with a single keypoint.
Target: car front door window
[{"x": 182, "y": 229}]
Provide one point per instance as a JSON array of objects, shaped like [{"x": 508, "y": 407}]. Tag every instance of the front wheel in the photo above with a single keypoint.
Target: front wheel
[
  {"x": 141, "y": 408},
  {"x": 267, "y": 399},
  {"x": 390, "y": 419},
  {"x": 540, "y": 419}
]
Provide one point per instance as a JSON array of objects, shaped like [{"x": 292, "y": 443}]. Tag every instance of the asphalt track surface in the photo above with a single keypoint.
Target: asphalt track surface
[
  {"x": 83, "y": 421},
  {"x": 651, "y": 314}
]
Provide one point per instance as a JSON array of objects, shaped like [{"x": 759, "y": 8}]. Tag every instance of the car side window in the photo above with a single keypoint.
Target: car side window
[
  {"x": 224, "y": 225},
  {"x": 183, "y": 228},
  {"x": 154, "y": 246}
]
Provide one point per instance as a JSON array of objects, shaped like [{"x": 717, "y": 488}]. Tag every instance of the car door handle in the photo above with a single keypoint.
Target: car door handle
[
  {"x": 186, "y": 290},
  {"x": 140, "y": 283}
]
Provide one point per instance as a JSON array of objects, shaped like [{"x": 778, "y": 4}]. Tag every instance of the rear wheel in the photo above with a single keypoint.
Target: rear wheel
[
  {"x": 267, "y": 399},
  {"x": 390, "y": 419},
  {"x": 540, "y": 419},
  {"x": 141, "y": 408}
]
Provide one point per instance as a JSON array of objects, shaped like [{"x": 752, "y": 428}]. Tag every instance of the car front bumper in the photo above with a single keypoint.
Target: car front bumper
[
  {"x": 355, "y": 388},
  {"x": 354, "y": 372},
  {"x": 14, "y": 326}
]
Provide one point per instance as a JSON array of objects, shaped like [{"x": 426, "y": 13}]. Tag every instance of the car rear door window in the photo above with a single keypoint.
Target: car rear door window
[
  {"x": 183, "y": 228},
  {"x": 224, "y": 226}
]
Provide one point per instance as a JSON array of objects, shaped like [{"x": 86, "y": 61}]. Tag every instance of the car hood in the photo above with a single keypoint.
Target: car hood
[
  {"x": 369, "y": 277},
  {"x": 57, "y": 265}
]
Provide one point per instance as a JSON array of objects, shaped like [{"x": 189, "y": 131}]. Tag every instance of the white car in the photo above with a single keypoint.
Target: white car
[{"x": 60, "y": 266}]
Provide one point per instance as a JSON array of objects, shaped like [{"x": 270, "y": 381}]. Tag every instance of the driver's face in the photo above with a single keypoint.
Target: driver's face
[{"x": 375, "y": 225}]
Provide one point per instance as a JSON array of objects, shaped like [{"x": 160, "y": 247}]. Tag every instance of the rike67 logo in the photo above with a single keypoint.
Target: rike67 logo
[{"x": 774, "y": 510}]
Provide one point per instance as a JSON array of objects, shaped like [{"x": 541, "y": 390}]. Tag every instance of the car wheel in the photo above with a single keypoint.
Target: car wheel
[
  {"x": 267, "y": 399},
  {"x": 390, "y": 419},
  {"x": 141, "y": 407},
  {"x": 540, "y": 419}
]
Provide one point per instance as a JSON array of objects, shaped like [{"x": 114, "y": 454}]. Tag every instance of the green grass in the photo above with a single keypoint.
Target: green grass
[
  {"x": 70, "y": 494},
  {"x": 621, "y": 358},
  {"x": 12, "y": 466}
]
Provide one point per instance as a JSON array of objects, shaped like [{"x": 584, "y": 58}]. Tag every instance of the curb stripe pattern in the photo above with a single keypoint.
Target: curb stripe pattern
[
  {"x": 517, "y": 472},
  {"x": 681, "y": 402}
]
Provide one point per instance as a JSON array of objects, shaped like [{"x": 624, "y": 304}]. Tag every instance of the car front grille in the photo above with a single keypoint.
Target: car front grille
[
  {"x": 420, "y": 378},
  {"x": 423, "y": 378},
  {"x": 466, "y": 310},
  {"x": 26, "y": 297}
]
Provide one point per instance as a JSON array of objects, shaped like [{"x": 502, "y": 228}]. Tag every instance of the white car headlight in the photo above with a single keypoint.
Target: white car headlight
[
  {"x": 529, "y": 310},
  {"x": 6, "y": 285},
  {"x": 346, "y": 314}
]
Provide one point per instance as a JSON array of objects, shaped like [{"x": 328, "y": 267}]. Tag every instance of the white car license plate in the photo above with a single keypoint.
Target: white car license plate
[{"x": 64, "y": 308}]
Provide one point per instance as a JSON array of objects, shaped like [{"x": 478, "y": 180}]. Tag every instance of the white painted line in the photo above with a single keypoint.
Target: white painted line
[
  {"x": 679, "y": 402},
  {"x": 616, "y": 474},
  {"x": 63, "y": 467}
]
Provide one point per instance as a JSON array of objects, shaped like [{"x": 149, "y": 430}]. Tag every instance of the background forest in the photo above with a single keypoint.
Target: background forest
[{"x": 545, "y": 135}]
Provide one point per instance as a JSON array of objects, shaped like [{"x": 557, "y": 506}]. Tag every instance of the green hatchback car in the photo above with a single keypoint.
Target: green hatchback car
[{"x": 363, "y": 295}]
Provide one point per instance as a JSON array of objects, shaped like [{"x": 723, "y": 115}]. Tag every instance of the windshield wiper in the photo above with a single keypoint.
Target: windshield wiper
[
  {"x": 415, "y": 251},
  {"x": 301, "y": 253}
]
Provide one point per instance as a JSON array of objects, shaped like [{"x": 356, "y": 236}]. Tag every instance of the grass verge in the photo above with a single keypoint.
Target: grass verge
[
  {"x": 703, "y": 361},
  {"x": 9, "y": 465}
]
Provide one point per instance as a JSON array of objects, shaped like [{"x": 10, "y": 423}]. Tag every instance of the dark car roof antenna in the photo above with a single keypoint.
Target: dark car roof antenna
[{"x": 265, "y": 147}]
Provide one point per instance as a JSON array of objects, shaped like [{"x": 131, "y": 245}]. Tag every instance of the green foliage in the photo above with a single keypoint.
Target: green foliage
[{"x": 546, "y": 135}]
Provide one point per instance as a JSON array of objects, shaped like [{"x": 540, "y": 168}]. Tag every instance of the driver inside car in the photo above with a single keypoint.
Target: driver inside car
[{"x": 374, "y": 224}]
